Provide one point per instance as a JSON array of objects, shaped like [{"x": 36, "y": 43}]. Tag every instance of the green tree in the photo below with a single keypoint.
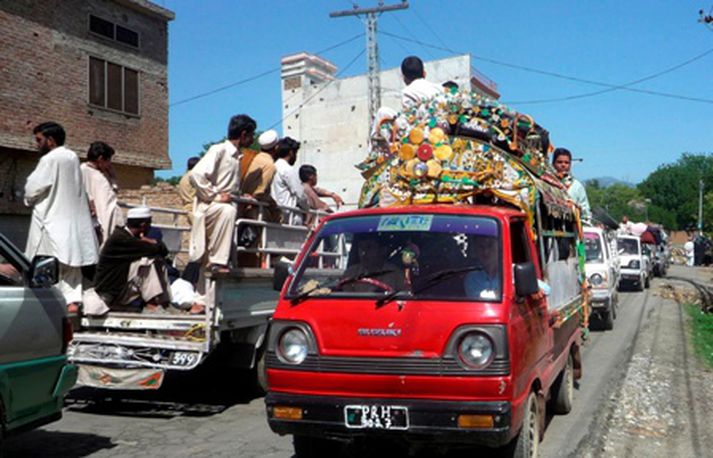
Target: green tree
[{"x": 673, "y": 188}]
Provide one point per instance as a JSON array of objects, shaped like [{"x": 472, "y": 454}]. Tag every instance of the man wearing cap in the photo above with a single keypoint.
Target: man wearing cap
[
  {"x": 61, "y": 223},
  {"x": 217, "y": 182},
  {"x": 417, "y": 87},
  {"x": 259, "y": 175},
  {"x": 131, "y": 266}
]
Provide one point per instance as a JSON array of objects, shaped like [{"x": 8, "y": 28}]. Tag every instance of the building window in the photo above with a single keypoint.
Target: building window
[
  {"x": 108, "y": 29},
  {"x": 113, "y": 86}
]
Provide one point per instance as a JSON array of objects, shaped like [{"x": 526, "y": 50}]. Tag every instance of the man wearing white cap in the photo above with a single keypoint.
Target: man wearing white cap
[
  {"x": 258, "y": 177},
  {"x": 131, "y": 266},
  {"x": 216, "y": 178}
]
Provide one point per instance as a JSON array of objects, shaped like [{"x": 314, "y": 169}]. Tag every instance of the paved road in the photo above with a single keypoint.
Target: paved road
[{"x": 213, "y": 415}]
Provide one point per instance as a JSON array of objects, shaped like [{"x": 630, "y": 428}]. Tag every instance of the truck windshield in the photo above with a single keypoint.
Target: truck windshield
[
  {"x": 627, "y": 246},
  {"x": 371, "y": 256},
  {"x": 593, "y": 248}
]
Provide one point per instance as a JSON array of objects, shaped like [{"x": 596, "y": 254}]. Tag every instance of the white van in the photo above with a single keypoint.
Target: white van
[
  {"x": 602, "y": 269},
  {"x": 635, "y": 266}
]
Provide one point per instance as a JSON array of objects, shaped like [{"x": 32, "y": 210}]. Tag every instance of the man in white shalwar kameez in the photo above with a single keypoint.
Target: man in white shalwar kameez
[
  {"x": 216, "y": 179},
  {"x": 417, "y": 87},
  {"x": 61, "y": 224},
  {"x": 286, "y": 188},
  {"x": 101, "y": 191}
]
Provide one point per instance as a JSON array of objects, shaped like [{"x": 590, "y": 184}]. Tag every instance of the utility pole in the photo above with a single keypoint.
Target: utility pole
[
  {"x": 700, "y": 206},
  {"x": 372, "y": 47}
]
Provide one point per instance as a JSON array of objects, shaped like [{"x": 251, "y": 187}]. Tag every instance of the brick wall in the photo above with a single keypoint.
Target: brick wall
[{"x": 44, "y": 76}]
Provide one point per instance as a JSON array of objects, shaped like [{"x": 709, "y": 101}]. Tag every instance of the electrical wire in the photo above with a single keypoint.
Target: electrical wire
[
  {"x": 259, "y": 75},
  {"x": 611, "y": 87},
  {"x": 308, "y": 99}
]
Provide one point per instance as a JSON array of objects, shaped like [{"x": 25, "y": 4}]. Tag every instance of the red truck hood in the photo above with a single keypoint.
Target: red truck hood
[{"x": 346, "y": 327}]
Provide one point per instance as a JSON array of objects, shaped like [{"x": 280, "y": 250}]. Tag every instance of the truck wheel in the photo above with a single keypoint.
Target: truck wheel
[
  {"x": 563, "y": 389},
  {"x": 647, "y": 283},
  {"x": 640, "y": 286},
  {"x": 315, "y": 447},
  {"x": 527, "y": 442},
  {"x": 608, "y": 318},
  {"x": 615, "y": 305},
  {"x": 261, "y": 373}
]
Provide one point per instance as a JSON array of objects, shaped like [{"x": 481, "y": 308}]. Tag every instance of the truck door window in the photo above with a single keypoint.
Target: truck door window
[{"x": 519, "y": 243}]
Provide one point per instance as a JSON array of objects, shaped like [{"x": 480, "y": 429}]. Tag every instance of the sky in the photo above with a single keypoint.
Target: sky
[{"x": 537, "y": 52}]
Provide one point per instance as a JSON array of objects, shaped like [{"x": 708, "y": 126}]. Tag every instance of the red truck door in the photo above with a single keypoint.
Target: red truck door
[{"x": 531, "y": 337}]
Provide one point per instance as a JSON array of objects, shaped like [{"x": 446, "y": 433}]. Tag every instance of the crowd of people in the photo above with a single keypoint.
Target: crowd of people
[{"x": 111, "y": 262}]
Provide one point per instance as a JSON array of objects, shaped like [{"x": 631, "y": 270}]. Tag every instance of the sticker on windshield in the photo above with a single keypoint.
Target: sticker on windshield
[{"x": 405, "y": 223}]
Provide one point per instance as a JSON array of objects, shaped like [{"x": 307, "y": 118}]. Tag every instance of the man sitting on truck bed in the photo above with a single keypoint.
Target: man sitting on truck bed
[{"x": 131, "y": 266}]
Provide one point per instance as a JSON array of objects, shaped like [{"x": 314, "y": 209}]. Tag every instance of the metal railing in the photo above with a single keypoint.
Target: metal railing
[{"x": 271, "y": 234}]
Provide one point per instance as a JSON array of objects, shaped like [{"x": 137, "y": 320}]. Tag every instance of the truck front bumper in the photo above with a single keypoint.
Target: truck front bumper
[{"x": 324, "y": 416}]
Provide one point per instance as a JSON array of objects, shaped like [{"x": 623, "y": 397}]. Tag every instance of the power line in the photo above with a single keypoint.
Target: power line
[
  {"x": 574, "y": 78},
  {"x": 259, "y": 75},
  {"x": 299, "y": 107}
]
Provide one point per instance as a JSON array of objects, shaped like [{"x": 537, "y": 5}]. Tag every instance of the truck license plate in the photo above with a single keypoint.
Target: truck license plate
[{"x": 376, "y": 417}]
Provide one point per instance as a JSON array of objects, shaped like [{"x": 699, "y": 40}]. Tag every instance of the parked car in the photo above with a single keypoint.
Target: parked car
[
  {"x": 635, "y": 265},
  {"x": 34, "y": 334},
  {"x": 602, "y": 268}
]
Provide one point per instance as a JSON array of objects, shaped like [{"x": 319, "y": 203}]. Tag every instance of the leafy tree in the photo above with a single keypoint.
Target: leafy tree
[
  {"x": 673, "y": 188},
  {"x": 173, "y": 181}
]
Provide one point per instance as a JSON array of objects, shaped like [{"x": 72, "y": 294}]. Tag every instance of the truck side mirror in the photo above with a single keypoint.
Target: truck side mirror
[
  {"x": 525, "y": 279},
  {"x": 280, "y": 274},
  {"x": 44, "y": 271}
]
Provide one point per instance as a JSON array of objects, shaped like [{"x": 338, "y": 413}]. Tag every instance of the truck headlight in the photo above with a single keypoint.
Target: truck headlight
[
  {"x": 634, "y": 264},
  {"x": 475, "y": 350},
  {"x": 292, "y": 347},
  {"x": 596, "y": 279}
]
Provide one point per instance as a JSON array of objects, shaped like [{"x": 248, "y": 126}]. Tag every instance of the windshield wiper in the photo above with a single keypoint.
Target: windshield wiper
[
  {"x": 429, "y": 282},
  {"x": 339, "y": 281}
]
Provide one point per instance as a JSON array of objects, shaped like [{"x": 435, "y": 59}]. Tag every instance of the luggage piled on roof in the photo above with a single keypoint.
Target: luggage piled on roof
[{"x": 455, "y": 146}]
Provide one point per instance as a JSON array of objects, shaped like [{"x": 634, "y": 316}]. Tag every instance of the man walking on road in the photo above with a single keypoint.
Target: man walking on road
[
  {"x": 61, "y": 222},
  {"x": 562, "y": 161},
  {"x": 217, "y": 182},
  {"x": 101, "y": 190}
]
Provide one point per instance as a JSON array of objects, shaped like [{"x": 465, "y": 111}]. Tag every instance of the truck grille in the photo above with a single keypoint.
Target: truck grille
[{"x": 388, "y": 366}]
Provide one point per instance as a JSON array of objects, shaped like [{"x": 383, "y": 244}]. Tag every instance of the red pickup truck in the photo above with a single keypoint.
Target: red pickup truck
[{"x": 449, "y": 324}]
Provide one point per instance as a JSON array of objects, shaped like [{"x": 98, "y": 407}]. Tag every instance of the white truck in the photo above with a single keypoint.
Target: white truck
[
  {"x": 635, "y": 265},
  {"x": 603, "y": 270},
  {"x": 134, "y": 351}
]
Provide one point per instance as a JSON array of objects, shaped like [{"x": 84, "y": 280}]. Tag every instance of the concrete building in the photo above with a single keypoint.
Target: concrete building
[
  {"x": 330, "y": 116},
  {"x": 99, "y": 68}
]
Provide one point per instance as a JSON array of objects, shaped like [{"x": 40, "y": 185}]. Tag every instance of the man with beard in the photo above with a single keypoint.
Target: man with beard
[{"x": 61, "y": 222}]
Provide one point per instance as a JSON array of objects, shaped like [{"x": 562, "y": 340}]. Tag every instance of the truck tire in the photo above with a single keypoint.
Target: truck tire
[
  {"x": 608, "y": 318},
  {"x": 315, "y": 447},
  {"x": 640, "y": 285},
  {"x": 647, "y": 283},
  {"x": 563, "y": 389},
  {"x": 261, "y": 373},
  {"x": 527, "y": 442}
]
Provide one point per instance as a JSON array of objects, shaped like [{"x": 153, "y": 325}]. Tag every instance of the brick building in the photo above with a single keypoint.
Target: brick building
[{"x": 99, "y": 68}]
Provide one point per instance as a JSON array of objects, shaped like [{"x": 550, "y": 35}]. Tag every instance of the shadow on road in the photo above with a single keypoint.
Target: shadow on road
[
  {"x": 208, "y": 390},
  {"x": 54, "y": 444}
]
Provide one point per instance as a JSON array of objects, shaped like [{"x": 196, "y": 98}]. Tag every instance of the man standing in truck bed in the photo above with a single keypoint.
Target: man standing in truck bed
[{"x": 217, "y": 182}]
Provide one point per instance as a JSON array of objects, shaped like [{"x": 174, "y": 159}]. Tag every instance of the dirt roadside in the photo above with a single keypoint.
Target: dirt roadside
[{"x": 664, "y": 405}]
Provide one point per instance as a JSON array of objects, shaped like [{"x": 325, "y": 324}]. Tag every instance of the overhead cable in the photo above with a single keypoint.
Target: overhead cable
[
  {"x": 259, "y": 75},
  {"x": 611, "y": 87},
  {"x": 324, "y": 86}
]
